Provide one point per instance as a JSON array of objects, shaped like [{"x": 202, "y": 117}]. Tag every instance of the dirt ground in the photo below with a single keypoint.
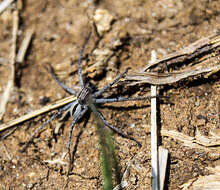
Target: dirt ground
[{"x": 136, "y": 28}]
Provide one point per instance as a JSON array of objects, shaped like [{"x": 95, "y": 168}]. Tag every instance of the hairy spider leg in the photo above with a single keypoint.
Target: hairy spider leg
[
  {"x": 80, "y": 60},
  {"x": 116, "y": 129},
  {"x": 76, "y": 119},
  {"x": 59, "y": 82},
  {"x": 66, "y": 107},
  {"x": 98, "y": 93}
]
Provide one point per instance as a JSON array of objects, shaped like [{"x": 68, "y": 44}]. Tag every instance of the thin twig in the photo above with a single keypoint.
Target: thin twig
[
  {"x": 9, "y": 87},
  {"x": 6, "y": 152},
  {"x": 163, "y": 156},
  {"x": 192, "y": 142},
  {"x": 35, "y": 113},
  {"x": 24, "y": 45},
  {"x": 4, "y": 5},
  {"x": 200, "y": 57},
  {"x": 199, "y": 47},
  {"x": 199, "y": 140},
  {"x": 171, "y": 77},
  {"x": 158, "y": 164},
  {"x": 124, "y": 183},
  {"x": 154, "y": 151}
]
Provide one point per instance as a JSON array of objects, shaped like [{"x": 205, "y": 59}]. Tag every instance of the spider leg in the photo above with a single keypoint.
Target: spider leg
[
  {"x": 77, "y": 111},
  {"x": 116, "y": 129},
  {"x": 80, "y": 61},
  {"x": 76, "y": 119},
  {"x": 66, "y": 88},
  {"x": 73, "y": 107},
  {"x": 122, "y": 99},
  {"x": 44, "y": 124},
  {"x": 98, "y": 93}
]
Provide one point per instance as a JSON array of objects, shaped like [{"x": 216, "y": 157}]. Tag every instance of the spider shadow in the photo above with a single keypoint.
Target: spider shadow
[
  {"x": 123, "y": 108},
  {"x": 132, "y": 107},
  {"x": 75, "y": 148}
]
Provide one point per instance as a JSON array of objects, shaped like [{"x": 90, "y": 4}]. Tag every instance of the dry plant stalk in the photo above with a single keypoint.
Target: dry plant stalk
[
  {"x": 19, "y": 58},
  {"x": 10, "y": 84},
  {"x": 154, "y": 138},
  {"x": 4, "y": 4},
  {"x": 199, "y": 139},
  {"x": 199, "y": 57},
  {"x": 36, "y": 113},
  {"x": 158, "y": 156},
  {"x": 163, "y": 157},
  {"x": 24, "y": 45}
]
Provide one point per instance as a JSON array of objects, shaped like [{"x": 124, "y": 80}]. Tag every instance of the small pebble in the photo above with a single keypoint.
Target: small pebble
[{"x": 103, "y": 20}]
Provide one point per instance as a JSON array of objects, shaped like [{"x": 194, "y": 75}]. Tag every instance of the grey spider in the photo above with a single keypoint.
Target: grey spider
[{"x": 84, "y": 98}]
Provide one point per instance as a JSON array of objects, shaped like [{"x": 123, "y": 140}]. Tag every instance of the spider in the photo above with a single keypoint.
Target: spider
[{"x": 84, "y": 98}]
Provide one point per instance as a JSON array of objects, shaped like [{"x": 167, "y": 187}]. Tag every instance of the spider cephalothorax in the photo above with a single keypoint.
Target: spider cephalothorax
[{"x": 85, "y": 95}]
